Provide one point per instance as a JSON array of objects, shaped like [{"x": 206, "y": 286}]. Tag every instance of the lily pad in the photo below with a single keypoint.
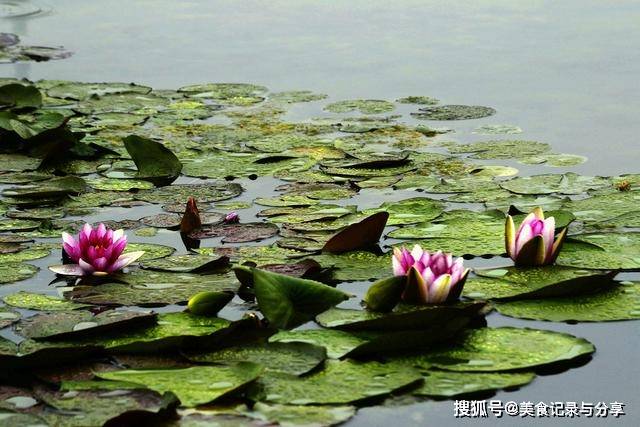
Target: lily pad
[
  {"x": 33, "y": 301},
  {"x": 193, "y": 386},
  {"x": 568, "y": 183},
  {"x": 8, "y": 317},
  {"x": 151, "y": 250},
  {"x": 358, "y": 381},
  {"x": 16, "y": 271},
  {"x": 364, "y": 106},
  {"x": 290, "y": 301},
  {"x": 302, "y": 416},
  {"x": 291, "y": 358},
  {"x": 336, "y": 342},
  {"x": 505, "y": 349},
  {"x": 500, "y": 149},
  {"x": 193, "y": 263},
  {"x": 419, "y": 100},
  {"x": 602, "y": 251},
  {"x": 410, "y": 211},
  {"x": 203, "y": 193},
  {"x": 155, "y": 162},
  {"x": 449, "y": 384},
  {"x": 237, "y": 233},
  {"x": 454, "y": 112},
  {"x": 534, "y": 282},
  {"x": 497, "y": 129},
  {"x": 295, "y": 96},
  {"x": 80, "y": 91},
  {"x": 615, "y": 303}
]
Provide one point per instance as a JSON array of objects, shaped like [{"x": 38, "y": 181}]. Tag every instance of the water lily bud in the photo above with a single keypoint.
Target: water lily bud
[
  {"x": 533, "y": 244},
  {"x": 208, "y": 303},
  {"x": 191, "y": 218},
  {"x": 231, "y": 218}
]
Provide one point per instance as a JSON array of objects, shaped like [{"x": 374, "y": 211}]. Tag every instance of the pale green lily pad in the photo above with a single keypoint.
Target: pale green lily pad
[
  {"x": 454, "y": 112},
  {"x": 80, "y": 91},
  {"x": 357, "y": 381},
  {"x": 534, "y": 282},
  {"x": 500, "y": 149},
  {"x": 629, "y": 219},
  {"x": 356, "y": 266},
  {"x": 364, "y": 106},
  {"x": 192, "y": 263},
  {"x": 16, "y": 271},
  {"x": 497, "y": 129},
  {"x": 409, "y": 211},
  {"x": 195, "y": 385},
  {"x": 620, "y": 302},
  {"x": 40, "y": 302},
  {"x": 504, "y": 349},
  {"x": 14, "y": 224},
  {"x": 602, "y": 251},
  {"x": 152, "y": 288},
  {"x": 337, "y": 343},
  {"x": 231, "y": 93},
  {"x": 295, "y": 96},
  {"x": 449, "y": 384},
  {"x": 556, "y": 160},
  {"x": 151, "y": 250},
  {"x": 291, "y": 358},
  {"x": 112, "y": 184},
  {"x": 224, "y": 165},
  {"x": 568, "y": 183},
  {"x": 419, "y": 100},
  {"x": 603, "y": 207},
  {"x": 123, "y": 103},
  {"x": 31, "y": 253}
]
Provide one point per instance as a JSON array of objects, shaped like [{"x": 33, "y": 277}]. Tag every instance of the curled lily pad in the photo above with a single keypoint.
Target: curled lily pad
[
  {"x": 449, "y": 384},
  {"x": 620, "y": 302},
  {"x": 504, "y": 349},
  {"x": 360, "y": 235},
  {"x": 292, "y": 358},
  {"x": 193, "y": 386},
  {"x": 535, "y": 282},
  {"x": 155, "y": 162},
  {"x": 365, "y": 381},
  {"x": 454, "y": 112},
  {"x": 209, "y": 303},
  {"x": 290, "y": 301}
]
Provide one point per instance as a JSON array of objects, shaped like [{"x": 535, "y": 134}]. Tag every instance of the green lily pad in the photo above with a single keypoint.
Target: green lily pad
[
  {"x": 10, "y": 162},
  {"x": 80, "y": 91},
  {"x": 364, "y": 106},
  {"x": 504, "y": 349},
  {"x": 33, "y": 301},
  {"x": 403, "y": 317},
  {"x": 28, "y": 254},
  {"x": 336, "y": 342},
  {"x": 419, "y": 100},
  {"x": 113, "y": 184},
  {"x": 497, "y": 129},
  {"x": 535, "y": 282},
  {"x": 179, "y": 193},
  {"x": 602, "y": 251},
  {"x": 135, "y": 103},
  {"x": 192, "y": 263},
  {"x": 358, "y": 381},
  {"x": 454, "y": 112},
  {"x": 500, "y": 149},
  {"x": 620, "y": 302},
  {"x": 193, "y": 386},
  {"x": 295, "y": 96},
  {"x": 409, "y": 211},
  {"x": 155, "y": 162},
  {"x": 449, "y": 384},
  {"x": 151, "y": 250},
  {"x": 290, "y": 301},
  {"x": 16, "y": 271},
  {"x": 568, "y": 183},
  {"x": 557, "y": 160},
  {"x": 356, "y": 266},
  {"x": 603, "y": 207},
  {"x": 55, "y": 187},
  {"x": 230, "y": 93},
  {"x": 66, "y": 324},
  {"x": 148, "y": 288},
  {"x": 237, "y": 233},
  {"x": 291, "y": 358}
]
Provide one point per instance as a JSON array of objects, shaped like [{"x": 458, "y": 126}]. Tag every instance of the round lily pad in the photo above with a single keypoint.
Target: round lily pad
[
  {"x": 454, "y": 112},
  {"x": 16, "y": 271},
  {"x": 449, "y": 384},
  {"x": 505, "y": 349},
  {"x": 602, "y": 251},
  {"x": 179, "y": 193},
  {"x": 151, "y": 250},
  {"x": 419, "y": 100},
  {"x": 364, "y": 106},
  {"x": 357, "y": 381},
  {"x": 620, "y": 302},
  {"x": 33, "y": 301}
]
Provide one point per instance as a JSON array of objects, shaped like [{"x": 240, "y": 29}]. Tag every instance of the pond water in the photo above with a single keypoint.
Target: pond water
[{"x": 565, "y": 73}]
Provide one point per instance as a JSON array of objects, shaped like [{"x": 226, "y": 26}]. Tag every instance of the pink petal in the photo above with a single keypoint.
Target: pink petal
[
  {"x": 86, "y": 267},
  {"x": 118, "y": 246},
  {"x": 101, "y": 231},
  {"x": 527, "y": 221},
  {"x": 439, "y": 289},
  {"x": 100, "y": 264},
  {"x": 417, "y": 252},
  {"x": 125, "y": 260},
  {"x": 548, "y": 234},
  {"x": 396, "y": 263},
  {"x": 523, "y": 237},
  {"x": 427, "y": 276}
]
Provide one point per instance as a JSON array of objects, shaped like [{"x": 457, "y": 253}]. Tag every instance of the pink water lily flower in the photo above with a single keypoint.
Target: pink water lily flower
[
  {"x": 432, "y": 278},
  {"x": 534, "y": 243},
  {"x": 96, "y": 251},
  {"x": 231, "y": 218}
]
